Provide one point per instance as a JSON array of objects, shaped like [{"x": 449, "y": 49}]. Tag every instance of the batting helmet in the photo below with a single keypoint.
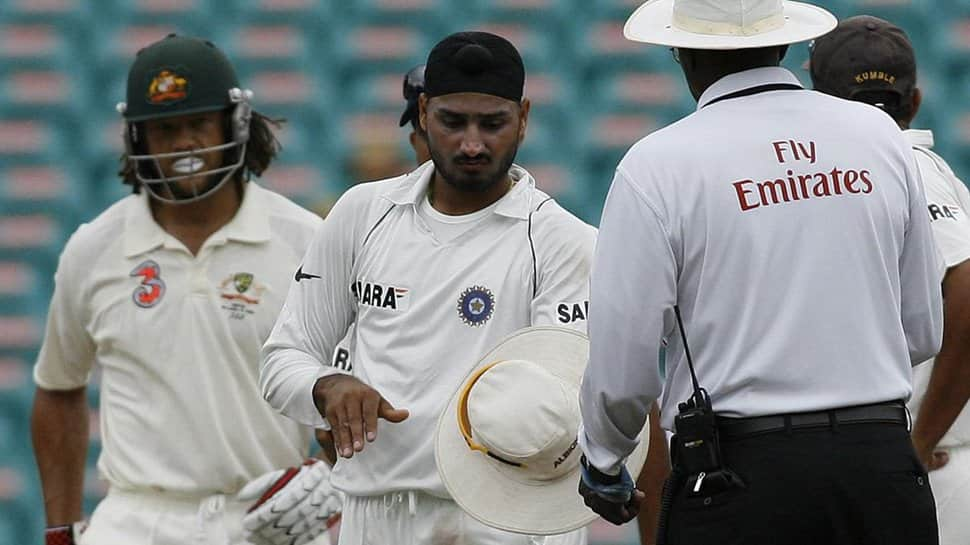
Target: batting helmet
[{"x": 177, "y": 76}]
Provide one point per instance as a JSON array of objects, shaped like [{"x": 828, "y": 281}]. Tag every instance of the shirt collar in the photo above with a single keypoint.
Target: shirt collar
[
  {"x": 919, "y": 137},
  {"x": 251, "y": 222},
  {"x": 747, "y": 79},
  {"x": 142, "y": 232},
  {"x": 411, "y": 188}
]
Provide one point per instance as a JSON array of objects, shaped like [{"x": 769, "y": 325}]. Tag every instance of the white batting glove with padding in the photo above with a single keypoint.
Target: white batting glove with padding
[{"x": 291, "y": 506}]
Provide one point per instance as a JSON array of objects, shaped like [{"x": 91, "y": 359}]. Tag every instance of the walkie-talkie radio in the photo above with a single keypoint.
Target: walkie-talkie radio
[
  {"x": 698, "y": 450},
  {"x": 695, "y": 448},
  {"x": 695, "y": 425}
]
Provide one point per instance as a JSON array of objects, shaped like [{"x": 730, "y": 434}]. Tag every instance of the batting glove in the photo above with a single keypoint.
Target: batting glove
[
  {"x": 292, "y": 506},
  {"x": 64, "y": 535},
  {"x": 610, "y": 496}
]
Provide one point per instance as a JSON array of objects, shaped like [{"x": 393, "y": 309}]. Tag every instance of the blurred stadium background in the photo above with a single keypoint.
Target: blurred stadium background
[{"x": 333, "y": 68}]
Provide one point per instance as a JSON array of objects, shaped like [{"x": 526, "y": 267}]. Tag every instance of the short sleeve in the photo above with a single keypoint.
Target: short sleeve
[{"x": 68, "y": 352}]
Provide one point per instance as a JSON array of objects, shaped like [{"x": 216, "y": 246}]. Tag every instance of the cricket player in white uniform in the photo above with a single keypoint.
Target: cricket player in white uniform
[
  {"x": 434, "y": 268},
  {"x": 871, "y": 60},
  {"x": 786, "y": 230},
  {"x": 171, "y": 292},
  {"x": 413, "y": 87}
]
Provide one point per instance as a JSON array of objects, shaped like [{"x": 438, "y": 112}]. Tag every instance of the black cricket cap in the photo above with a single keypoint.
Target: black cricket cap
[
  {"x": 413, "y": 87},
  {"x": 475, "y": 62},
  {"x": 863, "y": 54}
]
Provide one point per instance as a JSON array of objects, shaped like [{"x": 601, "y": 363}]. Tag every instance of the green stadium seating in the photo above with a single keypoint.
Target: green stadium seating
[
  {"x": 388, "y": 46},
  {"x": 25, "y": 287},
  {"x": 616, "y": 9},
  {"x": 540, "y": 43},
  {"x": 20, "y": 520},
  {"x": 415, "y": 13},
  {"x": 291, "y": 10}
]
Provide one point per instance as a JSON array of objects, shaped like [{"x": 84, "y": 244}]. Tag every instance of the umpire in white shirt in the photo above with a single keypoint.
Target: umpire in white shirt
[
  {"x": 871, "y": 60},
  {"x": 787, "y": 229}
]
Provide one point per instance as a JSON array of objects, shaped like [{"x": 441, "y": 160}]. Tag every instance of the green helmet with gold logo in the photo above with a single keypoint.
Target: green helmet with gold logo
[{"x": 180, "y": 75}]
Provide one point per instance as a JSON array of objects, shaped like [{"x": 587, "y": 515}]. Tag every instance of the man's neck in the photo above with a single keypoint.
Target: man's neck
[
  {"x": 193, "y": 223},
  {"x": 453, "y": 202},
  {"x": 709, "y": 80}
]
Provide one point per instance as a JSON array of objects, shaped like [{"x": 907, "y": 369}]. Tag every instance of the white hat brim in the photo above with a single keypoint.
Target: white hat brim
[
  {"x": 487, "y": 489},
  {"x": 652, "y": 23}
]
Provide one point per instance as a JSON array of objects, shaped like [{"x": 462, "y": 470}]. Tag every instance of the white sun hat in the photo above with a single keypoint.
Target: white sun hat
[
  {"x": 727, "y": 24},
  {"x": 506, "y": 444}
]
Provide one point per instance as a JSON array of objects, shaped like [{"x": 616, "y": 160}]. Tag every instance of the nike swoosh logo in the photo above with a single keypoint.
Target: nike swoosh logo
[{"x": 300, "y": 275}]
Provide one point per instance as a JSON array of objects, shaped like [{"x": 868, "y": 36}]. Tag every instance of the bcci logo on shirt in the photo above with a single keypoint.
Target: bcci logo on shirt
[{"x": 475, "y": 306}]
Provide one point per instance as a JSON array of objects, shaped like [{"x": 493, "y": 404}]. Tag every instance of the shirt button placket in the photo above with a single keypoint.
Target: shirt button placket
[{"x": 200, "y": 280}]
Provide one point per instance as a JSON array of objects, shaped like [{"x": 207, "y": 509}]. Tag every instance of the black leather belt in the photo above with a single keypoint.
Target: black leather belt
[{"x": 892, "y": 412}]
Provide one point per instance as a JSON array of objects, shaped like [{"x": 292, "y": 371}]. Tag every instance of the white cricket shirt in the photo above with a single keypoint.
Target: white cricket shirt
[
  {"x": 177, "y": 338},
  {"x": 425, "y": 311},
  {"x": 790, "y": 228},
  {"x": 948, "y": 203}
]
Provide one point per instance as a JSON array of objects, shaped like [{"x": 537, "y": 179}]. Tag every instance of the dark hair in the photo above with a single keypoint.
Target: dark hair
[
  {"x": 703, "y": 67},
  {"x": 262, "y": 148},
  {"x": 900, "y": 108},
  {"x": 263, "y": 144}
]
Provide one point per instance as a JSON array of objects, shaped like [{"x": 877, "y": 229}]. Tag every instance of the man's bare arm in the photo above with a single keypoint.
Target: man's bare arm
[
  {"x": 59, "y": 428},
  {"x": 949, "y": 386},
  {"x": 651, "y": 479}
]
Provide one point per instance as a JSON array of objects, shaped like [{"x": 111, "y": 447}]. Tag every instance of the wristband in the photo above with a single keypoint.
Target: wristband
[{"x": 59, "y": 535}]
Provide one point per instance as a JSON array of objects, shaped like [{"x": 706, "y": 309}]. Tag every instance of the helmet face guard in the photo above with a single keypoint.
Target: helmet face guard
[
  {"x": 159, "y": 186},
  {"x": 179, "y": 76},
  {"x": 148, "y": 169}
]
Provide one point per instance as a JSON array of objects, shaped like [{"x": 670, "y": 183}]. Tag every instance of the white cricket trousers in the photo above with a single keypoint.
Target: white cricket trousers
[
  {"x": 146, "y": 518},
  {"x": 416, "y": 518},
  {"x": 951, "y": 488}
]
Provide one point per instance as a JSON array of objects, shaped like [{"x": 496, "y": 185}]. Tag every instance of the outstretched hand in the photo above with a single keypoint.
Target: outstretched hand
[
  {"x": 352, "y": 408},
  {"x": 615, "y": 498}
]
